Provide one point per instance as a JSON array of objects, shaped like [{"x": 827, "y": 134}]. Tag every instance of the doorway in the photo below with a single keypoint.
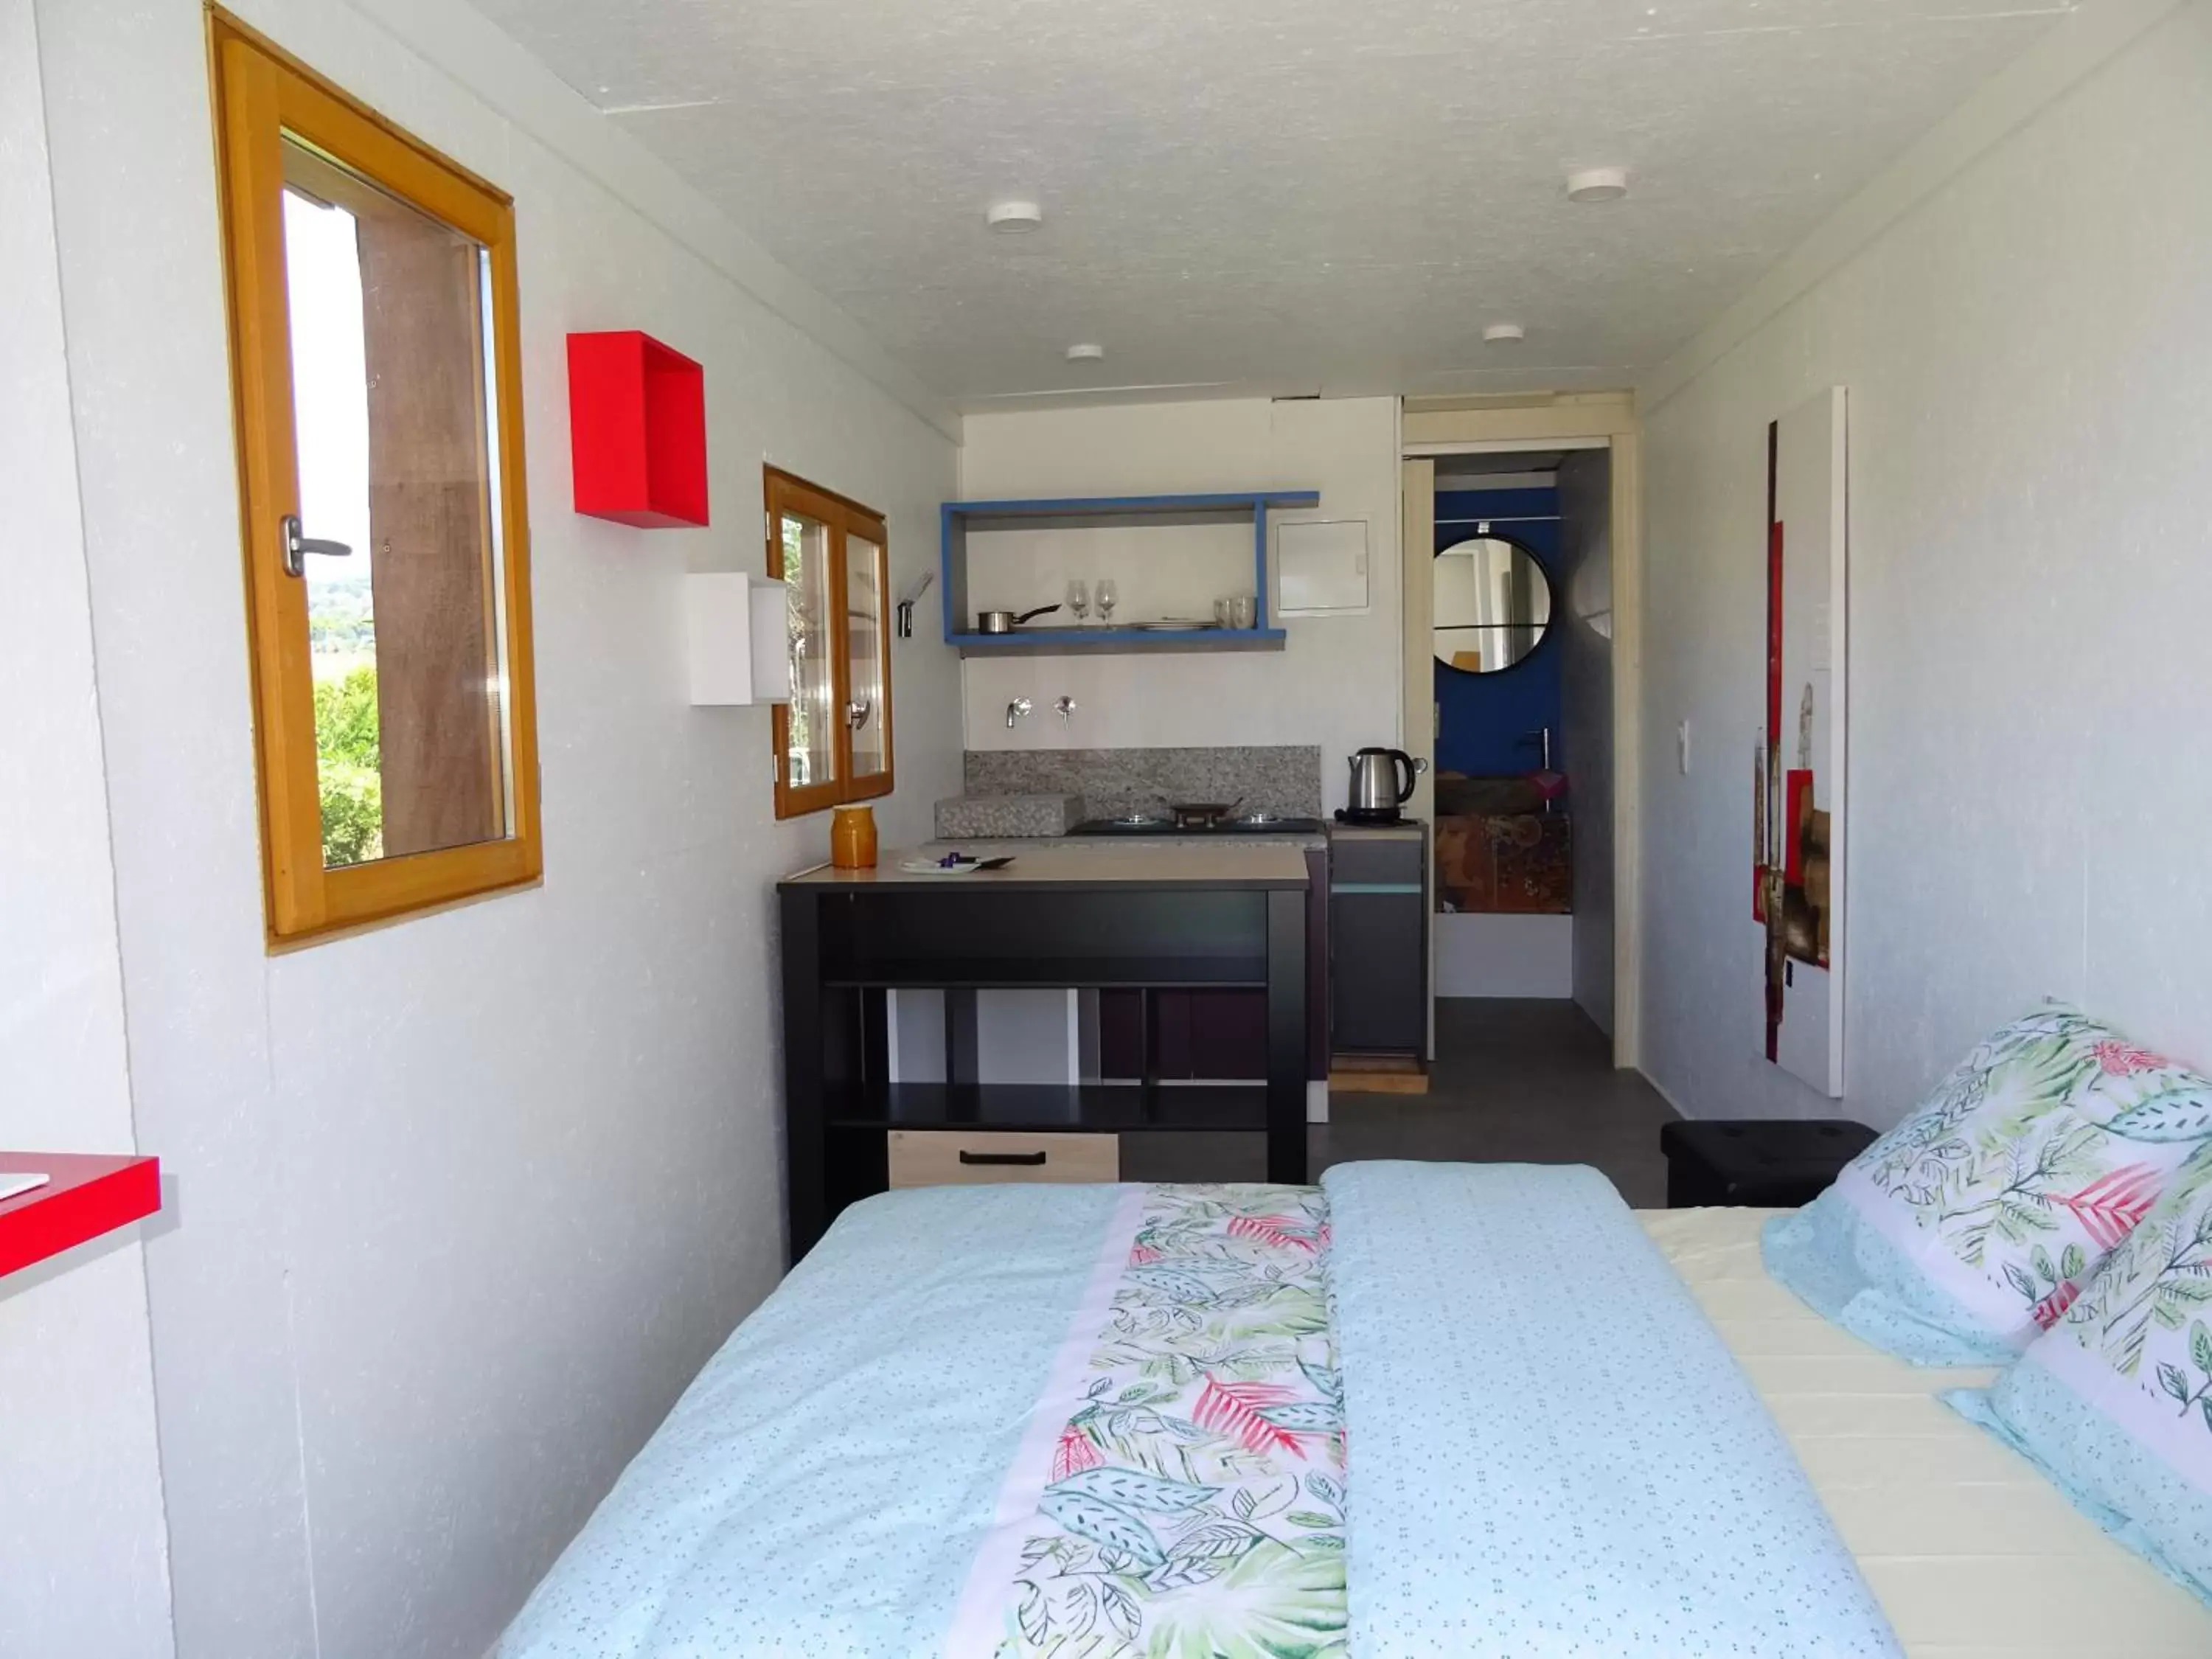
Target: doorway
[{"x": 1518, "y": 546}]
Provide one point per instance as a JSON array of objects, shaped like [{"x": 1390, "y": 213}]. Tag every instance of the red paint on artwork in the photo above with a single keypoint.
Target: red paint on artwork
[
  {"x": 1797, "y": 787},
  {"x": 1774, "y": 632}
]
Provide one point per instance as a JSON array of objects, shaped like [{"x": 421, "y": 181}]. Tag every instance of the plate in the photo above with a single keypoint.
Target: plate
[{"x": 1176, "y": 625}]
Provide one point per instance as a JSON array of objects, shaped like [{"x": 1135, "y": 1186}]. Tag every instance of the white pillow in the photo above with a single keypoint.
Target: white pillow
[{"x": 1970, "y": 1228}]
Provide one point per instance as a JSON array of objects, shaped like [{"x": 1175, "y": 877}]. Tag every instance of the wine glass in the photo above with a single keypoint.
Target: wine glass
[
  {"x": 1079, "y": 600},
  {"x": 1107, "y": 595}
]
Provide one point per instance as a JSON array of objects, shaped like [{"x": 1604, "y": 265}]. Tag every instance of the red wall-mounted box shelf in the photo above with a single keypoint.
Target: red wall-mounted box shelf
[
  {"x": 87, "y": 1197},
  {"x": 637, "y": 428}
]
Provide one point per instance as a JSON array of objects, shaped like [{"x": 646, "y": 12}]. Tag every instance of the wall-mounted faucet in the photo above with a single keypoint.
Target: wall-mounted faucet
[
  {"x": 1065, "y": 709},
  {"x": 1017, "y": 709}
]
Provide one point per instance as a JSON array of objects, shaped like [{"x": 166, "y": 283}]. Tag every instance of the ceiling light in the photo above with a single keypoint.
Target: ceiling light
[
  {"x": 1010, "y": 218},
  {"x": 1597, "y": 185},
  {"x": 1086, "y": 353},
  {"x": 1504, "y": 333}
]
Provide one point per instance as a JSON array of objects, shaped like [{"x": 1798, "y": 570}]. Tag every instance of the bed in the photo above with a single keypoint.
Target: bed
[
  {"x": 1080, "y": 1423},
  {"x": 1971, "y": 1553}
]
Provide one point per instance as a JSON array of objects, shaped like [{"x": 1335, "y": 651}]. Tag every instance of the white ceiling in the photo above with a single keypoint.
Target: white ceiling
[{"x": 1276, "y": 195}]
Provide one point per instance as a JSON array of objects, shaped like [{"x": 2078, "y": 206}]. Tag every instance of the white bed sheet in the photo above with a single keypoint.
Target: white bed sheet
[{"x": 1972, "y": 1554}]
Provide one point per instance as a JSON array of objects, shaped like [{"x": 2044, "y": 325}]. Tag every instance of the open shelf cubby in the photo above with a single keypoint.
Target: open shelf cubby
[{"x": 1017, "y": 555}]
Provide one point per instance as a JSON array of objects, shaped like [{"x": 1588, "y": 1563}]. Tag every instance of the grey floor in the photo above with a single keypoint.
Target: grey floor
[{"x": 1514, "y": 1082}]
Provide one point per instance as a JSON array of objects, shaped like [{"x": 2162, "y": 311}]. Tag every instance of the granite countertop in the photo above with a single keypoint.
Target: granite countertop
[{"x": 1054, "y": 861}]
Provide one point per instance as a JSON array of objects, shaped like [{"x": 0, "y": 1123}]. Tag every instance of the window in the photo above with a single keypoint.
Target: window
[
  {"x": 377, "y": 381},
  {"x": 833, "y": 740}
]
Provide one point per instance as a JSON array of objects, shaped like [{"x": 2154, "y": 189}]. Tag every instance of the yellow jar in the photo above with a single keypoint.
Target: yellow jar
[{"x": 852, "y": 837}]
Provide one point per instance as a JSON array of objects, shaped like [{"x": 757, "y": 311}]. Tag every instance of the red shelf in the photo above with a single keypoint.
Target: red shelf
[
  {"x": 87, "y": 1197},
  {"x": 637, "y": 430}
]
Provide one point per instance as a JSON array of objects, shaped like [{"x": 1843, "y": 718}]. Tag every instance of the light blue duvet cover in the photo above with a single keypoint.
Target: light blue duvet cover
[
  {"x": 1473, "y": 1403},
  {"x": 821, "y": 1488},
  {"x": 1552, "y": 1452}
]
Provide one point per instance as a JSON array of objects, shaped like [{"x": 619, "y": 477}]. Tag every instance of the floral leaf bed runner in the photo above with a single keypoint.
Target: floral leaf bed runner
[{"x": 1182, "y": 1489}]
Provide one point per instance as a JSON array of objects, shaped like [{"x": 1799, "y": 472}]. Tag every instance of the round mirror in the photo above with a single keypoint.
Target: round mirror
[{"x": 1493, "y": 603}]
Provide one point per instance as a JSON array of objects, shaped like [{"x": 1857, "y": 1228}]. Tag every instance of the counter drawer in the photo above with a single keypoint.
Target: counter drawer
[{"x": 951, "y": 1157}]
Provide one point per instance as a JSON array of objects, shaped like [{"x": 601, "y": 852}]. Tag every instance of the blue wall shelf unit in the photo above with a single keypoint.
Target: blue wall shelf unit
[{"x": 958, "y": 520}]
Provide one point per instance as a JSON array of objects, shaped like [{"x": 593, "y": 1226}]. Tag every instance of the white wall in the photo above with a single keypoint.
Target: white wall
[
  {"x": 1585, "y": 613},
  {"x": 2027, "y": 352},
  {"x": 1335, "y": 684},
  {"x": 82, "y": 1556},
  {"x": 465, "y": 1200}
]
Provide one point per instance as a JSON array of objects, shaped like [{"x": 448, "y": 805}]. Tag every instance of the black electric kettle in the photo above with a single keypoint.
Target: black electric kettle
[{"x": 1377, "y": 792}]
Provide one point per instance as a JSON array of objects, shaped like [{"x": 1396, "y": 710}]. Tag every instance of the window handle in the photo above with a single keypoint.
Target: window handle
[
  {"x": 297, "y": 547},
  {"x": 857, "y": 712}
]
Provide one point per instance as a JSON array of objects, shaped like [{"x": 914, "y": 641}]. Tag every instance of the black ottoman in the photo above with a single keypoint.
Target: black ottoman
[{"x": 1757, "y": 1163}]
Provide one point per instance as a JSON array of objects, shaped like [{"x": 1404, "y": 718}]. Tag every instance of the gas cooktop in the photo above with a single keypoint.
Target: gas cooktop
[{"x": 1248, "y": 824}]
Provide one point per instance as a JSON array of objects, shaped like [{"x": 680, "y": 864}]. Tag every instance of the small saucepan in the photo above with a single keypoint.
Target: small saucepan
[{"x": 1004, "y": 621}]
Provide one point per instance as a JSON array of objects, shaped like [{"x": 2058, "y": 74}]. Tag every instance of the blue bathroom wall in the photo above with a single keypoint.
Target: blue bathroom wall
[{"x": 1482, "y": 716}]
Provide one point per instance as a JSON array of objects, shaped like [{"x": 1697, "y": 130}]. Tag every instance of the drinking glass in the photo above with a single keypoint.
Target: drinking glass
[
  {"x": 1107, "y": 595},
  {"x": 1079, "y": 600}
]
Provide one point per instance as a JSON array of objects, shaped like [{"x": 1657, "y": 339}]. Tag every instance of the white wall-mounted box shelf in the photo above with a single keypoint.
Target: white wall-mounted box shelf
[
  {"x": 1320, "y": 567},
  {"x": 739, "y": 639}
]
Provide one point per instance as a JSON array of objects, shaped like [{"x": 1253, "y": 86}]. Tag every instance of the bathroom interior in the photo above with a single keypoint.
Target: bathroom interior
[{"x": 1521, "y": 671}]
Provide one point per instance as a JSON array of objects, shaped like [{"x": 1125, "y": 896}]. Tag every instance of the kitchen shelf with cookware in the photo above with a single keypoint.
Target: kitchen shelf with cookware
[{"x": 1164, "y": 573}]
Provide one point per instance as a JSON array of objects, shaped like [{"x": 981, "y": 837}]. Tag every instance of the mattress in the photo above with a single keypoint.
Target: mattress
[{"x": 1971, "y": 1553}]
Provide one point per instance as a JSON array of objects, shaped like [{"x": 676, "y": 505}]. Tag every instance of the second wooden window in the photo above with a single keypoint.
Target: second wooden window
[{"x": 833, "y": 740}]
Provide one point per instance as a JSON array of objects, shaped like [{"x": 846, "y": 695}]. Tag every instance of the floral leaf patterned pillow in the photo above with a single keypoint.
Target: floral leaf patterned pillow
[
  {"x": 2115, "y": 1403},
  {"x": 1972, "y": 1226}
]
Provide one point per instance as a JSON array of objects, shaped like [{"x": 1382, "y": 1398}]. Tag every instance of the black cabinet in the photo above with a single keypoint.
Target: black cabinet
[
  {"x": 1216, "y": 1035},
  {"x": 1192, "y": 920},
  {"x": 1378, "y": 923}
]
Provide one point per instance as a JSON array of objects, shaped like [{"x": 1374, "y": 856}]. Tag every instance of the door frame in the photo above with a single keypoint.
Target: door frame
[{"x": 1605, "y": 421}]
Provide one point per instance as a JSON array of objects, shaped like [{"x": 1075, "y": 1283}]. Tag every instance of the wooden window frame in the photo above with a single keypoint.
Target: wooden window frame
[
  {"x": 784, "y": 492},
  {"x": 260, "y": 94}
]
